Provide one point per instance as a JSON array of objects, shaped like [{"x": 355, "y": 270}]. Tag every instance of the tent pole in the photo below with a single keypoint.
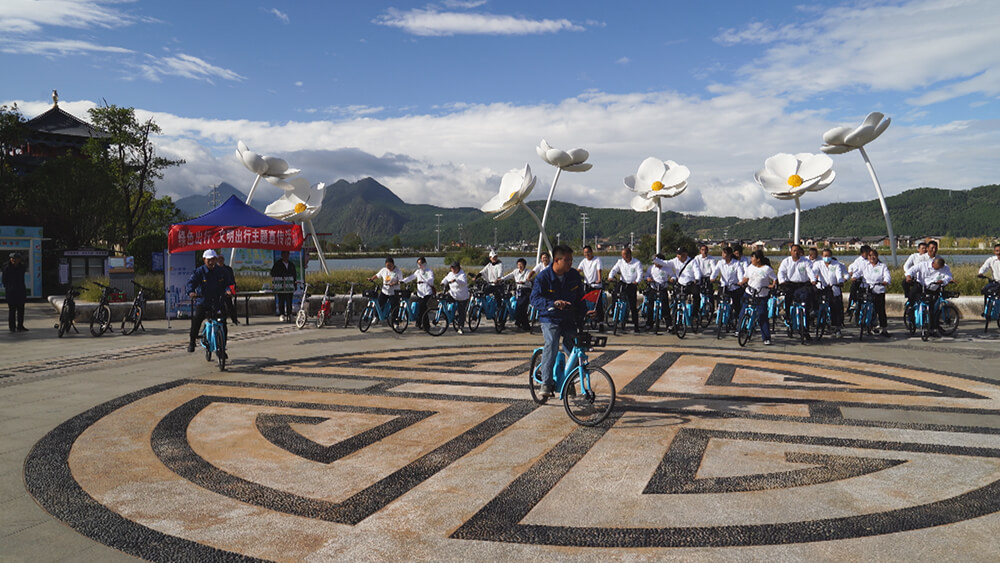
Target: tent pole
[{"x": 166, "y": 302}]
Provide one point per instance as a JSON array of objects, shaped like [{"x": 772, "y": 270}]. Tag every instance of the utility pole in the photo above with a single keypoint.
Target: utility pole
[
  {"x": 558, "y": 239},
  {"x": 494, "y": 238},
  {"x": 631, "y": 239},
  {"x": 213, "y": 197},
  {"x": 461, "y": 237},
  {"x": 583, "y": 220},
  {"x": 438, "y": 230}
]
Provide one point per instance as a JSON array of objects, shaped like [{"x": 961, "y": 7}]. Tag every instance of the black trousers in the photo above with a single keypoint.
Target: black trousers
[
  {"x": 15, "y": 316},
  {"x": 284, "y": 304},
  {"x": 879, "y": 300},
  {"x": 421, "y": 309},
  {"x": 651, "y": 295},
  {"x": 394, "y": 299},
  {"x": 200, "y": 312},
  {"x": 630, "y": 296},
  {"x": 521, "y": 312}
]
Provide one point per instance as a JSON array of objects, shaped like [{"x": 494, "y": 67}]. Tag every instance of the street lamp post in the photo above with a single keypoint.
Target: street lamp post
[
  {"x": 438, "y": 230},
  {"x": 583, "y": 221}
]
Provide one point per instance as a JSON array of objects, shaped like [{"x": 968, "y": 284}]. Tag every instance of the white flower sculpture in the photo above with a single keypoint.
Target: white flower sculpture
[
  {"x": 840, "y": 140},
  {"x": 655, "y": 180},
  {"x": 514, "y": 189},
  {"x": 299, "y": 203},
  {"x": 262, "y": 166},
  {"x": 572, "y": 161},
  {"x": 786, "y": 176}
]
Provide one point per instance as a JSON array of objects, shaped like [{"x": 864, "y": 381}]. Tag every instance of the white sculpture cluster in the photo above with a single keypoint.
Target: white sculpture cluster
[
  {"x": 840, "y": 140},
  {"x": 300, "y": 201},
  {"x": 572, "y": 161},
  {"x": 655, "y": 180},
  {"x": 514, "y": 189},
  {"x": 786, "y": 176}
]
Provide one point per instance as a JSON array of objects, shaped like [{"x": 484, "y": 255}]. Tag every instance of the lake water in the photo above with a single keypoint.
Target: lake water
[{"x": 408, "y": 263}]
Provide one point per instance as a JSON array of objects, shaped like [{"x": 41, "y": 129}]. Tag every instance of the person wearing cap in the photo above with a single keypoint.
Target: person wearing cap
[
  {"x": 16, "y": 291},
  {"x": 424, "y": 277},
  {"x": 207, "y": 287},
  {"x": 492, "y": 272},
  {"x": 284, "y": 268},
  {"x": 456, "y": 283}
]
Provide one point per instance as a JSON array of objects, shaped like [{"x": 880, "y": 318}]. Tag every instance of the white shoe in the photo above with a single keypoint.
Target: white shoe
[
  {"x": 460, "y": 331},
  {"x": 767, "y": 343},
  {"x": 281, "y": 318}
]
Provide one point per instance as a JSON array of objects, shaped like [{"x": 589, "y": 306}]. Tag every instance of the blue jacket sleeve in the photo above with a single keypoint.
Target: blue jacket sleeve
[
  {"x": 541, "y": 292},
  {"x": 192, "y": 283}
]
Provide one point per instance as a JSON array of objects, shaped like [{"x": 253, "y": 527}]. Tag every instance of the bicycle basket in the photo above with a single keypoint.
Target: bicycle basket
[
  {"x": 587, "y": 340},
  {"x": 370, "y": 293}
]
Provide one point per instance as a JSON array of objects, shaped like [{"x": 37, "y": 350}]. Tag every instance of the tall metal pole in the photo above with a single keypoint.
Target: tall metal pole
[
  {"x": 583, "y": 220},
  {"x": 798, "y": 211},
  {"x": 659, "y": 213},
  {"x": 885, "y": 208},
  {"x": 545, "y": 214},
  {"x": 438, "y": 229}
]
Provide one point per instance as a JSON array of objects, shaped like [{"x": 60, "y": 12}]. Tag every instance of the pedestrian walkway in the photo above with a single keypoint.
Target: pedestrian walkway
[{"x": 332, "y": 444}]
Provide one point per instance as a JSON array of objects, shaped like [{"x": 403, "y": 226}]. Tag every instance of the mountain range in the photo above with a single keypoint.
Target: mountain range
[{"x": 376, "y": 214}]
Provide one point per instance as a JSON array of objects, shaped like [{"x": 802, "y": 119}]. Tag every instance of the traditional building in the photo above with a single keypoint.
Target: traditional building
[{"x": 53, "y": 134}]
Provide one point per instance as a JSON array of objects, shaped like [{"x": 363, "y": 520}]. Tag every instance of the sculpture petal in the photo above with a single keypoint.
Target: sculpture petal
[
  {"x": 783, "y": 165},
  {"x": 253, "y": 161},
  {"x": 676, "y": 175},
  {"x": 511, "y": 184},
  {"x": 881, "y": 128},
  {"x": 275, "y": 165},
  {"x": 505, "y": 213},
  {"x": 673, "y": 191},
  {"x": 651, "y": 170},
  {"x": 814, "y": 165},
  {"x": 494, "y": 205},
  {"x": 873, "y": 119},
  {"x": 557, "y": 157},
  {"x": 642, "y": 204},
  {"x": 836, "y": 135},
  {"x": 281, "y": 183},
  {"x": 836, "y": 149},
  {"x": 526, "y": 189},
  {"x": 824, "y": 181},
  {"x": 579, "y": 155},
  {"x": 580, "y": 167},
  {"x": 771, "y": 182},
  {"x": 861, "y": 136},
  {"x": 630, "y": 183}
]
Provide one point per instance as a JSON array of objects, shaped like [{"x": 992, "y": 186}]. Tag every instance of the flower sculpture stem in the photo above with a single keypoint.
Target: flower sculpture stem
[
  {"x": 252, "y": 188},
  {"x": 542, "y": 236},
  {"x": 659, "y": 214},
  {"x": 545, "y": 216},
  {"x": 798, "y": 212},
  {"x": 319, "y": 250},
  {"x": 881, "y": 200}
]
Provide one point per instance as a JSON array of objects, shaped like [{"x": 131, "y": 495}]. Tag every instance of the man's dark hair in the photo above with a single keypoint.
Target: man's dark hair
[
  {"x": 997, "y": 245},
  {"x": 727, "y": 251},
  {"x": 561, "y": 250},
  {"x": 866, "y": 249},
  {"x": 587, "y": 247},
  {"x": 661, "y": 256},
  {"x": 390, "y": 261},
  {"x": 794, "y": 246},
  {"x": 921, "y": 243},
  {"x": 522, "y": 261},
  {"x": 737, "y": 249},
  {"x": 422, "y": 260},
  {"x": 934, "y": 242}
]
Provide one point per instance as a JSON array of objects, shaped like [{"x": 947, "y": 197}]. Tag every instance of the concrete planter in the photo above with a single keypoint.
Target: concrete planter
[{"x": 259, "y": 306}]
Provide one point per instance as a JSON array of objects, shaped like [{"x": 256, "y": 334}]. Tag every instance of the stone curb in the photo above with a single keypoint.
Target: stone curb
[{"x": 259, "y": 306}]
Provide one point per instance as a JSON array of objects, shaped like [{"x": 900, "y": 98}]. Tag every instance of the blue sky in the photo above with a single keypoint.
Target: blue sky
[{"x": 438, "y": 100}]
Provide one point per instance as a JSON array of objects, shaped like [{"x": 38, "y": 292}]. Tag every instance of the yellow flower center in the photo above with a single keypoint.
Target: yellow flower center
[
  {"x": 300, "y": 207},
  {"x": 657, "y": 186},
  {"x": 512, "y": 194},
  {"x": 795, "y": 180}
]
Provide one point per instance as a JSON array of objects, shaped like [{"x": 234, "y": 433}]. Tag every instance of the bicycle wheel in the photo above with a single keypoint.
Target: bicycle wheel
[
  {"x": 500, "y": 319},
  {"x": 948, "y": 321},
  {"x": 64, "y": 321},
  {"x": 720, "y": 320},
  {"x": 594, "y": 397},
  {"x": 100, "y": 320},
  {"x": 822, "y": 321},
  {"x": 300, "y": 318},
  {"x": 746, "y": 331},
  {"x": 705, "y": 314},
  {"x": 681, "y": 322},
  {"x": 367, "y": 318},
  {"x": 475, "y": 316},
  {"x": 435, "y": 321},
  {"x": 908, "y": 319},
  {"x": 535, "y": 382},
  {"x": 320, "y": 319},
  {"x": 398, "y": 320},
  {"x": 220, "y": 346}
]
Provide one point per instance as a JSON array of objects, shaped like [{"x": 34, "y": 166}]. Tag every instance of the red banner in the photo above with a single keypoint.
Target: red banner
[{"x": 184, "y": 238}]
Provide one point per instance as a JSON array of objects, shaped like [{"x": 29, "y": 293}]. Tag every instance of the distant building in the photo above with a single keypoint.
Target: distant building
[{"x": 53, "y": 134}]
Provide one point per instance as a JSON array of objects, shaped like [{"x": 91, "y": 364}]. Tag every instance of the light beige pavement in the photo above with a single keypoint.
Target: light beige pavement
[{"x": 327, "y": 443}]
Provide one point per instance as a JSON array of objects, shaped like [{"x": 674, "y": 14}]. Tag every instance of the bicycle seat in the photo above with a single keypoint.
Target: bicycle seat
[{"x": 587, "y": 340}]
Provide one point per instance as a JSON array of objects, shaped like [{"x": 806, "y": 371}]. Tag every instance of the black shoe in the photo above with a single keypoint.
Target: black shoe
[
  {"x": 808, "y": 337},
  {"x": 222, "y": 355},
  {"x": 191, "y": 346},
  {"x": 547, "y": 391},
  {"x": 886, "y": 334},
  {"x": 22, "y": 329}
]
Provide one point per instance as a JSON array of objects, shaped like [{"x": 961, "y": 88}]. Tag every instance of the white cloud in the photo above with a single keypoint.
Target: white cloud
[
  {"x": 352, "y": 111},
  {"x": 185, "y": 66},
  {"x": 624, "y": 61},
  {"x": 280, "y": 15},
  {"x": 57, "y": 47},
  {"x": 947, "y": 47},
  {"x": 28, "y": 16},
  {"x": 430, "y": 22},
  {"x": 298, "y": 83}
]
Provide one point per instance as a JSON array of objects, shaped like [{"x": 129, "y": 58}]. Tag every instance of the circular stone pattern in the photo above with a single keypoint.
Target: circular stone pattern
[{"x": 441, "y": 454}]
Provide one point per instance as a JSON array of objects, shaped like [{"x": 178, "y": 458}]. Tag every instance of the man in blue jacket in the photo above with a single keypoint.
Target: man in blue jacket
[
  {"x": 557, "y": 295},
  {"x": 207, "y": 286}
]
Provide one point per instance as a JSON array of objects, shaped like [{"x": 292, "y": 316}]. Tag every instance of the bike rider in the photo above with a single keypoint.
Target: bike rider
[
  {"x": 854, "y": 271},
  {"x": 991, "y": 266},
  {"x": 543, "y": 262},
  {"x": 830, "y": 278},
  {"x": 629, "y": 269},
  {"x": 729, "y": 272},
  {"x": 456, "y": 283},
  {"x": 760, "y": 277},
  {"x": 424, "y": 277},
  {"x": 522, "y": 281},
  {"x": 230, "y": 296},
  {"x": 918, "y": 257},
  {"x": 931, "y": 277},
  {"x": 688, "y": 276},
  {"x": 556, "y": 294},
  {"x": 876, "y": 275},
  {"x": 492, "y": 272},
  {"x": 657, "y": 281},
  {"x": 390, "y": 277},
  {"x": 796, "y": 277},
  {"x": 206, "y": 287},
  {"x": 590, "y": 268}
]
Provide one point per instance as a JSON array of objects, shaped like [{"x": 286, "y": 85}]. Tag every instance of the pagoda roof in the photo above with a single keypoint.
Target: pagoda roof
[{"x": 57, "y": 122}]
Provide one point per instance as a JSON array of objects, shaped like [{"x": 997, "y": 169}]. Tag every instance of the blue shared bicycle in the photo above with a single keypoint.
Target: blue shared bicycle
[
  {"x": 587, "y": 392},
  {"x": 212, "y": 337},
  {"x": 653, "y": 307},
  {"x": 617, "y": 314},
  {"x": 395, "y": 316},
  {"x": 747, "y": 324},
  {"x": 991, "y": 308},
  {"x": 439, "y": 317}
]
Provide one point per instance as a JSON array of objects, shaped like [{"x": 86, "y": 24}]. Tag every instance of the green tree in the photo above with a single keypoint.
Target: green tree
[
  {"x": 161, "y": 214},
  {"x": 129, "y": 158},
  {"x": 72, "y": 198},
  {"x": 671, "y": 238},
  {"x": 352, "y": 242},
  {"x": 12, "y": 135}
]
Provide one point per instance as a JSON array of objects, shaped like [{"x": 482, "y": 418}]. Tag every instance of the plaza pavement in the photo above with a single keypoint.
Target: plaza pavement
[{"x": 326, "y": 444}]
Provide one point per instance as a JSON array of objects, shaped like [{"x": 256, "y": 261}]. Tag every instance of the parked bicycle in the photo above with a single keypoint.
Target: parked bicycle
[
  {"x": 439, "y": 317},
  {"x": 302, "y": 316},
  {"x": 797, "y": 323},
  {"x": 682, "y": 310},
  {"x": 349, "y": 305},
  {"x": 387, "y": 312},
  {"x": 991, "y": 308},
  {"x": 752, "y": 302},
  {"x": 617, "y": 314},
  {"x": 100, "y": 319},
  {"x": 501, "y": 314},
  {"x": 67, "y": 313},
  {"x": 133, "y": 319},
  {"x": 725, "y": 316},
  {"x": 587, "y": 392}
]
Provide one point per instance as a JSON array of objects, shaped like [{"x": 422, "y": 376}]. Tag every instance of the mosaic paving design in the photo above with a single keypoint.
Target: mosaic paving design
[{"x": 441, "y": 453}]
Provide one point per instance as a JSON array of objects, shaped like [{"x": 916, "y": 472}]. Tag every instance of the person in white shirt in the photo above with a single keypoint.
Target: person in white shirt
[
  {"x": 738, "y": 255},
  {"x": 492, "y": 271},
  {"x": 729, "y": 272},
  {"x": 390, "y": 277},
  {"x": 931, "y": 277},
  {"x": 992, "y": 267},
  {"x": 522, "y": 281},
  {"x": 456, "y": 283},
  {"x": 876, "y": 275},
  {"x": 796, "y": 276},
  {"x": 630, "y": 271},
  {"x": 705, "y": 261},
  {"x": 424, "y": 277},
  {"x": 830, "y": 278},
  {"x": 688, "y": 276},
  {"x": 918, "y": 257},
  {"x": 813, "y": 255},
  {"x": 657, "y": 282},
  {"x": 760, "y": 277},
  {"x": 543, "y": 262},
  {"x": 591, "y": 270}
]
